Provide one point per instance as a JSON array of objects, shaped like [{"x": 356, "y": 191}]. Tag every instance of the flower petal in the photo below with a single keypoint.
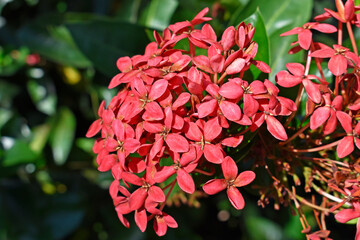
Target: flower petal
[
  {"x": 235, "y": 198},
  {"x": 337, "y": 65},
  {"x": 177, "y": 143},
  {"x": 206, "y": 108},
  {"x": 285, "y": 79},
  {"x": 236, "y": 66},
  {"x": 319, "y": 116},
  {"x": 212, "y": 129},
  {"x": 156, "y": 194},
  {"x": 345, "y": 121},
  {"x": 250, "y": 105},
  {"x": 94, "y": 128},
  {"x": 231, "y": 90},
  {"x": 137, "y": 198},
  {"x": 346, "y": 215},
  {"x": 312, "y": 90},
  {"x": 160, "y": 227},
  {"x": 164, "y": 174},
  {"x": 230, "y": 110},
  {"x": 305, "y": 39},
  {"x": 244, "y": 178},
  {"x": 345, "y": 146},
  {"x": 185, "y": 181},
  {"x": 141, "y": 219},
  {"x": 153, "y": 112},
  {"x": 276, "y": 128},
  {"x": 229, "y": 168},
  {"x": 296, "y": 69},
  {"x": 232, "y": 141},
  {"x": 214, "y": 186},
  {"x": 213, "y": 153},
  {"x": 158, "y": 89}
]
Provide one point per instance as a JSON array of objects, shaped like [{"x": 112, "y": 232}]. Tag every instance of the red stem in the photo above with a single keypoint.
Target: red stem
[
  {"x": 351, "y": 35},
  {"x": 340, "y": 33},
  {"x": 330, "y": 145}
]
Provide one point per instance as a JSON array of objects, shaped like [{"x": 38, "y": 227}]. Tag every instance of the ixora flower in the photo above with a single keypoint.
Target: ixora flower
[
  {"x": 230, "y": 182},
  {"x": 179, "y": 113}
]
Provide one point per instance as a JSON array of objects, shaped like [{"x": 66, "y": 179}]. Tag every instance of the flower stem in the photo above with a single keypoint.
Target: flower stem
[
  {"x": 304, "y": 201},
  {"x": 330, "y": 145},
  {"x": 204, "y": 172},
  {"x": 318, "y": 64},
  {"x": 168, "y": 194},
  {"x": 296, "y": 134},
  {"x": 329, "y": 196},
  {"x": 221, "y": 78},
  {"x": 340, "y": 33},
  {"x": 301, "y": 90},
  {"x": 351, "y": 35},
  {"x": 297, "y": 102}
]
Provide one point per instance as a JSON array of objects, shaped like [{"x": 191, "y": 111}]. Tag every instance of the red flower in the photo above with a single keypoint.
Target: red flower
[
  {"x": 346, "y": 145},
  {"x": 182, "y": 167},
  {"x": 326, "y": 115},
  {"x": 305, "y": 35},
  {"x": 124, "y": 144},
  {"x": 346, "y": 215},
  {"x": 229, "y": 109},
  {"x": 339, "y": 57},
  {"x": 231, "y": 182},
  {"x": 345, "y": 13},
  {"x": 147, "y": 191},
  {"x": 297, "y": 70},
  {"x": 162, "y": 221},
  {"x": 203, "y": 134}
]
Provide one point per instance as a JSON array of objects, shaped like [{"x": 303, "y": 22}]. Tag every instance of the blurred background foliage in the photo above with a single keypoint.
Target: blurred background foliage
[{"x": 56, "y": 60}]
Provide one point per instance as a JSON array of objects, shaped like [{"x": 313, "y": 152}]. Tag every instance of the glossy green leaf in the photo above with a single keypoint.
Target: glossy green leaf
[
  {"x": 261, "y": 38},
  {"x": 62, "y": 135},
  {"x": 49, "y": 38},
  {"x": 103, "y": 41},
  {"x": 5, "y": 116},
  {"x": 129, "y": 11},
  {"x": 158, "y": 13},
  {"x": 40, "y": 135},
  {"x": 19, "y": 153},
  {"x": 279, "y": 16},
  {"x": 85, "y": 144},
  {"x": 42, "y": 94},
  {"x": 7, "y": 92},
  {"x": 9, "y": 65}
]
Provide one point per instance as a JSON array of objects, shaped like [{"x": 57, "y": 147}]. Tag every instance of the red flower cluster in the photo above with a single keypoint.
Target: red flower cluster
[
  {"x": 333, "y": 109},
  {"x": 178, "y": 113},
  {"x": 176, "y": 104}
]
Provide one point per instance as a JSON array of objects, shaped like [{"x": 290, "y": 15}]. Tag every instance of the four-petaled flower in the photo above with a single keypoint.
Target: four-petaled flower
[{"x": 230, "y": 182}]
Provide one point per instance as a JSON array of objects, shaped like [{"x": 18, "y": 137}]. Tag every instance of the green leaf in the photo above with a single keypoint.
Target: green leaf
[
  {"x": 49, "y": 38},
  {"x": 9, "y": 64},
  {"x": 5, "y": 116},
  {"x": 19, "y": 153},
  {"x": 279, "y": 16},
  {"x": 7, "y": 92},
  {"x": 85, "y": 144},
  {"x": 105, "y": 40},
  {"x": 40, "y": 135},
  {"x": 260, "y": 38},
  {"x": 128, "y": 12},
  {"x": 43, "y": 95},
  {"x": 62, "y": 135},
  {"x": 158, "y": 13}
]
